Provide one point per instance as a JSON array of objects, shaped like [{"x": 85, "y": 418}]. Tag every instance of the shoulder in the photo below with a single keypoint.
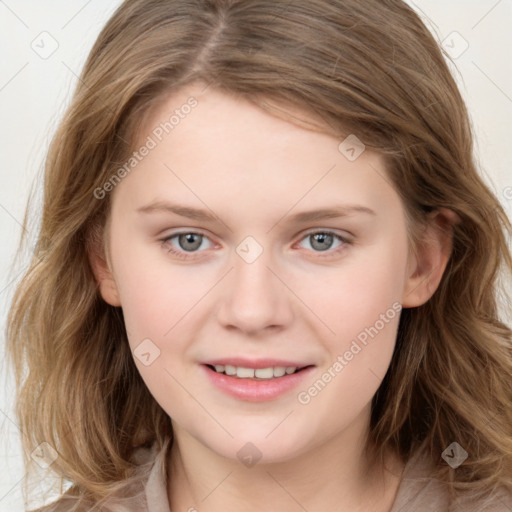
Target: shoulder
[
  {"x": 418, "y": 490},
  {"x": 65, "y": 503},
  {"x": 499, "y": 501},
  {"x": 132, "y": 499}
]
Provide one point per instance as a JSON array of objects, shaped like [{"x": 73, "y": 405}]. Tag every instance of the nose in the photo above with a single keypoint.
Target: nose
[{"x": 254, "y": 297}]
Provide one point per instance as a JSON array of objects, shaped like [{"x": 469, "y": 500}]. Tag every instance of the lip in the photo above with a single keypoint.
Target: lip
[
  {"x": 255, "y": 363},
  {"x": 250, "y": 390}
]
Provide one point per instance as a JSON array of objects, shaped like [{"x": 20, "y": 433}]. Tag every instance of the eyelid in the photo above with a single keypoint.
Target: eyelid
[
  {"x": 343, "y": 234},
  {"x": 165, "y": 240},
  {"x": 191, "y": 231},
  {"x": 346, "y": 240},
  {"x": 182, "y": 255}
]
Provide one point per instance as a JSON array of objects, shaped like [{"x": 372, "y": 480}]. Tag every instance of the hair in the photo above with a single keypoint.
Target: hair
[{"x": 370, "y": 68}]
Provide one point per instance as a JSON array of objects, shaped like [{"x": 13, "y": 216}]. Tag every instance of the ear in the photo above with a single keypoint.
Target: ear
[
  {"x": 427, "y": 264},
  {"x": 101, "y": 267}
]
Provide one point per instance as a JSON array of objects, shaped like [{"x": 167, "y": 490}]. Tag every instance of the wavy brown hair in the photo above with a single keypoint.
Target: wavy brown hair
[{"x": 371, "y": 68}]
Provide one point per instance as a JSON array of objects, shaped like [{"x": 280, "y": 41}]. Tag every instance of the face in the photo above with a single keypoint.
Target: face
[{"x": 219, "y": 259}]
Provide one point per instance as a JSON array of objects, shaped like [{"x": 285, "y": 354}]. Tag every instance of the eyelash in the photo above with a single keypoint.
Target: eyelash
[{"x": 183, "y": 255}]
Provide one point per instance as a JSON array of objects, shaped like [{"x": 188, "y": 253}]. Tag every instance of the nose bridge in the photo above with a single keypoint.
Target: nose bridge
[{"x": 254, "y": 298}]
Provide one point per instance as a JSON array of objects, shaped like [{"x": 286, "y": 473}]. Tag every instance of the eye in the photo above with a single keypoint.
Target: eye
[
  {"x": 322, "y": 241},
  {"x": 188, "y": 242}
]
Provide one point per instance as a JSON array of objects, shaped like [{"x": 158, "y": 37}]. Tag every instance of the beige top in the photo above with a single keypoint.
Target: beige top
[{"x": 416, "y": 493}]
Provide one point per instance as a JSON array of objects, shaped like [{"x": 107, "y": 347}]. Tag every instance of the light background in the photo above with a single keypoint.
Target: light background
[{"x": 34, "y": 92}]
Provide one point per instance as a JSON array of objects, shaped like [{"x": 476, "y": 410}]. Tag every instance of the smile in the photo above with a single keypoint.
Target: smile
[
  {"x": 256, "y": 384},
  {"x": 254, "y": 373}
]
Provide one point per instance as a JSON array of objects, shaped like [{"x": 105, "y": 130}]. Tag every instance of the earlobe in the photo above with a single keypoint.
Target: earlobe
[
  {"x": 101, "y": 268},
  {"x": 426, "y": 266}
]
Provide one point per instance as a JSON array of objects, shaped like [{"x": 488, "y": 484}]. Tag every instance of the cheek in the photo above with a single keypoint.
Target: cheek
[
  {"x": 362, "y": 307},
  {"x": 364, "y": 311},
  {"x": 157, "y": 300},
  {"x": 368, "y": 284},
  {"x": 155, "y": 292}
]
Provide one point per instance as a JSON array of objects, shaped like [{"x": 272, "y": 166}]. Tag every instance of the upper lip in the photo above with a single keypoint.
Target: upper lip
[{"x": 255, "y": 363}]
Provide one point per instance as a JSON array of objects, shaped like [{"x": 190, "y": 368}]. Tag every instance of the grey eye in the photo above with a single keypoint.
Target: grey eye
[
  {"x": 189, "y": 241},
  {"x": 321, "y": 241}
]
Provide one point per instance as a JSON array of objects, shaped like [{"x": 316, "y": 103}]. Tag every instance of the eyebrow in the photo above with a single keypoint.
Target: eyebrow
[{"x": 207, "y": 216}]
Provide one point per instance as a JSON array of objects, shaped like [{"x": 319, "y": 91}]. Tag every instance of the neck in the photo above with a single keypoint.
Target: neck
[{"x": 334, "y": 475}]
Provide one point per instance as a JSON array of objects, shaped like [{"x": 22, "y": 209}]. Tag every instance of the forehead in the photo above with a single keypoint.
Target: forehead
[{"x": 210, "y": 145}]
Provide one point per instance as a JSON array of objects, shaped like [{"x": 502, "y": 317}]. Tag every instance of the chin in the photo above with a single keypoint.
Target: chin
[{"x": 258, "y": 447}]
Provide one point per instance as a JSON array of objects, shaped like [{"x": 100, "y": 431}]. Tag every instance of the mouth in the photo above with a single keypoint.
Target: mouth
[
  {"x": 270, "y": 381},
  {"x": 270, "y": 372}
]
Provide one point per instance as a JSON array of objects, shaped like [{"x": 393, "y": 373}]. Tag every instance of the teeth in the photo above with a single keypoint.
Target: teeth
[
  {"x": 251, "y": 373},
  {"x": 230, "y": 370},
  {"x": 245, "y": 373},
  {"x": 263, "y": 373},
  {"x": 279, "y": 371}
]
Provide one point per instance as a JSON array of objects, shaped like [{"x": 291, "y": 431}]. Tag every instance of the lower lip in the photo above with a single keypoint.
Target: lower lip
[{"x": 256, "y": 390}]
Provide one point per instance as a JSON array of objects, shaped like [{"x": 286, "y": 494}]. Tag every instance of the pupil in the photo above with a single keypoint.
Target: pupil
[
  {"x": 322, "y": 237},
  {"x": 189, "y": 239}
]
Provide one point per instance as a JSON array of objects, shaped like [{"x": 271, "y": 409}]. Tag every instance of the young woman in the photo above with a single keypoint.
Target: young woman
[{"x": 268, "y": 271}]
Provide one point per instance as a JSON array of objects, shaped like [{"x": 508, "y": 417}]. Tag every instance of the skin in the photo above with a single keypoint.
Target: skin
[{"x": 254, "y": 171}]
